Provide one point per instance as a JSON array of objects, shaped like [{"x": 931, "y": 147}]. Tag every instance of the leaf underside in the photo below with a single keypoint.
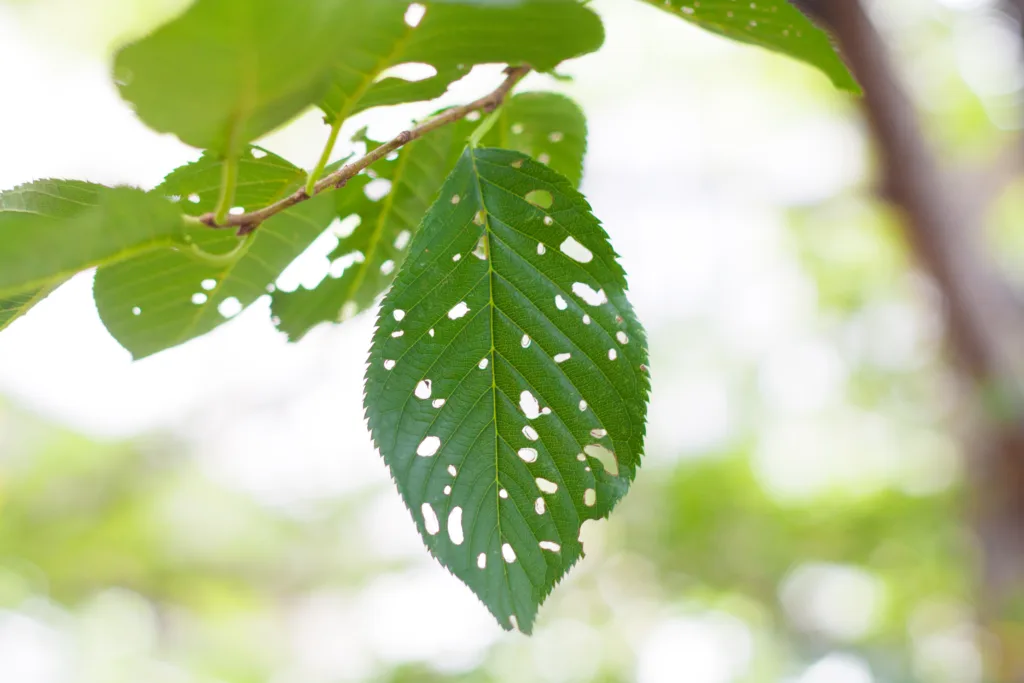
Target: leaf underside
[
  {"x": 166, "y": 297},
  {"x": 547, "y": 126},
  {"x": 52, "y": 229},
  {"x": 772, "y": 24},
  {"x": 14, "y": 306},
  {"x": 495, "y": 392}
]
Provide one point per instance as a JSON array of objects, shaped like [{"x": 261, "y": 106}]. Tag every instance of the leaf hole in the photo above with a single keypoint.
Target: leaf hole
[
  {"x": 398, "y": 314},
  {"x": 456, "y": 199},
  {"x": 136, "y": 311},
  {"x": 560, "y": 302},
  {"x": 455, "y": 526},
  {"x": 452, "y": 470},
  {"x": 612, "y": 354},
  {"x": 544, "y": 159},
  {"x": 199, "y": 298},
  {"x": 402, "y": 240},
  {"x": 529, "y": 405},
  {"x": 549, "y": 221},
  {"x": 503, "y": 494},
  {"x": 431, "y": 331},
  {"x": 397, "y": 333},
  {"x": 586, "y": 319},
  {"x": 541, "y": 249},
  {"x": 481, "y": 561},
  {"x": 556, "y": 136},
  {"x": 541, "y": 198},
  {"x": 438, "y": 402},
  {"x": 518, "y": 163},
  {"x": 622, "y": 337},
  {"x": 479, "y": 218},
  {"x": 423, "y": 389},
  {"x": 458, "y": 310},
  {"x": 607, "y": 458},
  {"x": 456, "y": 257},
  {"x": 387, "y": 267},
  {"x": 208, "y": 284},
  {"x": 413, "y": 72},
  {"x": 236, "y": 210},
  {"x": 528, "y": 454},
  {"x": 546, "y": 485},
  {"x": 517, "y": 129},
  {"x": 508, "y": 553},
  {"x": 343, "y": 227},
  {"x": 550, "y": 545},
  {"x": 576, "y": 251},
  {"x": 530, "y": 433},
  {"x": 599, "y": 433},
  {"x": 480, "y": 250},
  {"x": 483, "y": 364},
  {"x": 377, "y": 189},
  {"x": 230, "y": 307},
  {"x": 590, "y": 498},
  {"x": 473, "y": 116},
  {"x": 428, "y": 447},
  {"x": 539, "y": 506},
  {"x": 448, "y": 490},
  {"x": 258, "y": 153},
  {"x": 430, "y": 519},
  {"x": 389, "y": 365},
  {"x": 414, "y": 15},
  {"x": 193, "y": 198},
  {"x": 525, "y": 341},
  {"x": 562, "y": 357},
  {"x": 583, "y": 405}
]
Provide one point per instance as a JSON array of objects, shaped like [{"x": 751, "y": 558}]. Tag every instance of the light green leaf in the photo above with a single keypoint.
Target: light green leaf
[
  {"x": 772, "y": 24},
  {"x": 51, "y": 229},
  {"x": 451, "y": 38},
  {"x": 549, "y": 126},
  {"x": 166, "y": 297},
  {"x": 506, "y": 368},
  {"x": 228, "y": 71},
  {"x": 14, "y": 306}
]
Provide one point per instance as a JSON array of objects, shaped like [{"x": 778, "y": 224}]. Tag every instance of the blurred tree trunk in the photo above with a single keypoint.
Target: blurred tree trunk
[{"x": 944, "y": 223}]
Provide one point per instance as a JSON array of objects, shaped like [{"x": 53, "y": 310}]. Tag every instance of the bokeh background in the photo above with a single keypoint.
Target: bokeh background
[{"x": 217, "y": 513}]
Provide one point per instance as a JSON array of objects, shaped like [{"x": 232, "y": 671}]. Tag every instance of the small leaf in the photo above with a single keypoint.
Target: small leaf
[
  {"x": 51, "y": 229},
  {"x": 226, "y": 72},
  {"x": 493, "y": 385},
  {"x": 772, "y": 24},
  {"x": 166, "y": 297},
  {"x": 544, "y": 124},
  {"x": 14, "y": 306},
  {"x": 446, "y": 42}
]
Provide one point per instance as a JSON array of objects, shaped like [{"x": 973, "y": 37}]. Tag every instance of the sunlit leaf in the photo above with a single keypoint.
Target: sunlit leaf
[
  {"x": 772, "y": 24},
  {"x": 507, "y": 373},
  {"x": 51, "y": 229},
  {"x": 166, "y": 297}
]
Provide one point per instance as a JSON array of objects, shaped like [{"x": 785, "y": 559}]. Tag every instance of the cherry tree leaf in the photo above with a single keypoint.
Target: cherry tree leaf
[
  {"x": 507, "y": 386},
  {"x": 16, "y": 305},
  {"x": 51, "y": 229},
  {"x": 167, "y": 297},
  {"x": 773, "y": 24},
  {"x": 445, "y": 42},
  {"x": 548, "y": 126}
]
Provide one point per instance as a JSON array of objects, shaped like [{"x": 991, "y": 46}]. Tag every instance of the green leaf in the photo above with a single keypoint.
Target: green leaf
[
  {"x": 549, "y": 126},
  {"x": 14, "y": 306},
  {"x": 506, "y": 368},
  {"x": 772, "y": 24},
  {"x": 451, "y": 38},
  {"x": 226, "y": 72},
  {"x": 167, "y": 297},
  {"x": 51, "y": 229}
]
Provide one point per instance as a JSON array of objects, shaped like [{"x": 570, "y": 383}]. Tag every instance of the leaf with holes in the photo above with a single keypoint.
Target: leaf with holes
[
  {"x": 228, "y": 71},
  {"x": 549, "y": 126},
  {"x": 164, "y": 298},
  {"x": 51, "y": 229},
  {"x": 772, "y": 24},
  {"x": 444, "y": 43},
  {"x": 14, "y": 306},
  {"x": 507, "y": 387}
]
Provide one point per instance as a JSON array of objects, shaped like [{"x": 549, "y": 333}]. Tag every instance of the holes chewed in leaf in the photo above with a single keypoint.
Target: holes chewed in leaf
[
  {"x": 562, "y": 357},
  {"x": 428, "y": 447},
  {"x": 456, "y": 199},
  {"x": 587, "y": 293},
  {"x": 423, "y": 389},
  {"x": 402, "y": 240},
  {"x": 458, "y": 310},
  {"x": 541, "y": 249},
  {"x": 479, "y": 217},
  {"x": 518, "y": 128},
  {"x": 414, "y": 14},
  {"x": 530, "y": 433},
  {"x": 546, "y": 485},
  {"x": 482, "y": 364},
  {"x": 543, "y": 158},
  {"x": 412, "y": 72},
  {"x": 230, "y": 307},
  {"x": 397, "y": 333},
  {"x": 528, "y": 454},
  {"x": 607, "y": 458},
  {"x": 599, "y": 433},
  {"x": 529, "y": 405},
  {"x": 437, "y": 402},
  {"x": 503, "y": 494},
  {"x": 456, "y": 257},
  {"x": 622, "y": 337},
  {"x": 377, "y": 189},
  {"x": 556, "y": 136},
  {"x": 481, "y": 561},
  {"x": 136, "y": 310},
  {"x": 387, "y": 267},
  {"x": 576, "y": 251},
  {"x": 208, "y": 284},
  {"x": 612, "y": 354},
  {"x": 452, "y": 471},
  {"x": 549, "y": 221},
  {"x": 389, "y": 365},
  {"x": 448, "y": 490},
  {"x": 539, "y": 506},
  {"x": 586, "y": 319},
  {"x": 550, "y": 545},
  {"x": 525, "y": 341},
  {"x": 589, "y": 497},
  {"x": 560, "y": 303},
  {"x": 199, "y": 299},
  {"x": 399, "y": 315},
  {"x": 193, "y": 198},
  {"x": 583, "y": 405},
  {"x": 430, "y": 519},
  {"x": 508, "y": 553},
  {"x": 480, "y": 250},
  {"x": 541, "y": 198},
  {"x": 455, "y": 525},
  {"x": 258, "y": 153}
]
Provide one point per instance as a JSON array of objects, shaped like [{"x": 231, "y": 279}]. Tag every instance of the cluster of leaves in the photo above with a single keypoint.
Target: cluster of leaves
[{"x": 507, "y": 382}]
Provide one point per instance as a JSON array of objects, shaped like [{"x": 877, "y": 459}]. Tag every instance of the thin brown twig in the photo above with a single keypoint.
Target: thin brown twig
[{"x": 247, "y": 222}]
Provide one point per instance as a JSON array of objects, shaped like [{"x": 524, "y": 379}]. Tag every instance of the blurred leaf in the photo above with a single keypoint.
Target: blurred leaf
[
  {"x": 450, "y": 39},
  {"x": 228, "y": 71},
  {"x": 166, "y": 297},
  {"x": 772, "y": 24},
  {"x": 14, "y": 306},
  {"x": 545, "y": 125},
  {"x": 51, "y": 229},
  {"x": 504, "y": 350}
]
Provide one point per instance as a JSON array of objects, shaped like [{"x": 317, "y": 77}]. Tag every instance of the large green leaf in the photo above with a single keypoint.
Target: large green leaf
[
  {"x": 547, "y": 126},
  {"x": 166, "y": 297},
  {"x": 507, "y": 373},
  {"x": 772, "y": 24},
  {"x": 451, "y": 38},
  {"x": 14, "y": 306},
  {"x": 51, "y": 229},
  {"x": 227, "y": 71}
]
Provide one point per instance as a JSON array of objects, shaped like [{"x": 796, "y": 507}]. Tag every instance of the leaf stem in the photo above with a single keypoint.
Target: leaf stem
[
  {"x": 248, "y": 222},
  {"x": 228, "y": 180},
  {"x": 324, "y": 157}
]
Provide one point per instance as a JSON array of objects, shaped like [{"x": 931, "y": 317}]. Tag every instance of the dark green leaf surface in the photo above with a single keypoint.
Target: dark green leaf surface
[
  {"x": 451, "y": 38},
  {"x": 547, "y": 126},
  {"x": 772, "y": 24},
  {"x": 166, "y": 297},
  {"x": 228, "y": 71},
  {"x": 506, "y": 361},
  {"x": 14, "y": 306},
  {"x": 51, "y": 229}
]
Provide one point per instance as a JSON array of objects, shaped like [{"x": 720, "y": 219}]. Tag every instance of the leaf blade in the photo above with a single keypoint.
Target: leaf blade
[{"x": 483, "y": 331}]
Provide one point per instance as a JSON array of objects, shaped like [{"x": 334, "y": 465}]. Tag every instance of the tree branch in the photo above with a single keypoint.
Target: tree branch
[{"x": 247, "y": 222}]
